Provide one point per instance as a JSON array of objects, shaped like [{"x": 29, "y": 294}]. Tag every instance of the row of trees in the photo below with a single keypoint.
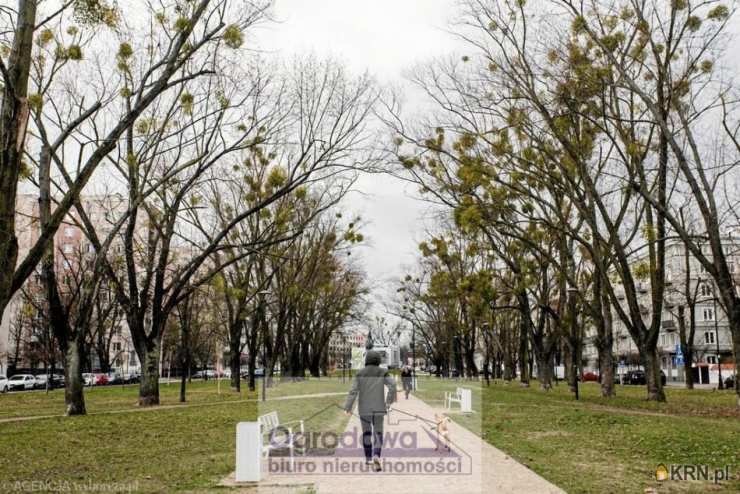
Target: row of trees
[
  {"x": 31, "y": 342},
  {"x": 226, "y": 166},
  {"x": 572, "y": 144}
]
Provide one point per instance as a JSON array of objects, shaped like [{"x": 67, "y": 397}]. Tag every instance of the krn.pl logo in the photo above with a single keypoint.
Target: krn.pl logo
[{"x": 661, "y": 473}]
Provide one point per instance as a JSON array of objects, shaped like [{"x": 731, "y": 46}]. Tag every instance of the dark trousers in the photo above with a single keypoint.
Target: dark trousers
[
  {"x": 372, "y": 434},
  {"x": 407, "y": 388}
]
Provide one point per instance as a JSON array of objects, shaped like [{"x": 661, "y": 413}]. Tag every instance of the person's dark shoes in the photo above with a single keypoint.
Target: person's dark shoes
[{"x": 376, "y": 465}]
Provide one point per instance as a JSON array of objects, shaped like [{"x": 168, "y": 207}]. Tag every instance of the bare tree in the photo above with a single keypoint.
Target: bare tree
[{"x": 172, "y": 47}]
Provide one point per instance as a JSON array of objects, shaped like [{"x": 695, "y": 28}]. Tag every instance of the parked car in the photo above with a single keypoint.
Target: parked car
[
  {"x": 114, "y": 377},
  {"x": 259, "y": 372},
  {"x": 57, "y": 381},
  {"x": 88, "y": 378},
  {"x": 21, "y": 382},
  {"x": 3, "y": 384},
  {"x": 41, "y": 381},
  {"x": 101, "y": 379},
  {"x": 590, "y": 376},
  {"x": 634, "y": 377},
  {"x": 730, "y": 382},
  {"x": 208, "y": 374},
  {"x": 637, "y": 377},
  {"x": 132, "y": 377}
]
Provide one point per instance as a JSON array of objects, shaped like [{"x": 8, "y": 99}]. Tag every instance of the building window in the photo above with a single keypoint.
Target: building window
[
  {"x": 117, "y": 346},
  {"x": 708, "y": 337},
  {"x": 68, "y": 231},
  {"x": 711, "y": 359},
  {"x": 705, "y": 290},
  {"x": 67, "y": 248},
  {"x": 66, "y": 264},
  {"x": 708, "y": 314}
]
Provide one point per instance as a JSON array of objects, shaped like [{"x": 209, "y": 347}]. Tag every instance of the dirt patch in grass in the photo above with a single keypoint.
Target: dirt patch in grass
[{"x": 546, "y": 434}]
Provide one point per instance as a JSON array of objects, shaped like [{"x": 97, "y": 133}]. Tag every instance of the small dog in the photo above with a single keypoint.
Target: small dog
[{"x": 441, "y": 422}]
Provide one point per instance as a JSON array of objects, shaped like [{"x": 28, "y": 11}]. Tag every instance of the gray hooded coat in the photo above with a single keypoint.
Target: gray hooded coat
[{"x": 368, "y": 385}]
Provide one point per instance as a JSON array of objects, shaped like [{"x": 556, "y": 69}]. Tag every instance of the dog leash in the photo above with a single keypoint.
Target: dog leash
[{"x": 414, "y": 416}]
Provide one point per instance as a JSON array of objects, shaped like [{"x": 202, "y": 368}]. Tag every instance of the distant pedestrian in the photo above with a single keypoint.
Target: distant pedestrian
[
  {"x": 372, "y": 405},
  {"x": 407, "y": 380}
]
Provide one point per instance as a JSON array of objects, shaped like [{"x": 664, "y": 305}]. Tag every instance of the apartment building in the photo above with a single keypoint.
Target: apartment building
[
  {"x": 22, "y": 331},
  {"x": 341, "y": 344},
  {"x": 712, "y": 340}
]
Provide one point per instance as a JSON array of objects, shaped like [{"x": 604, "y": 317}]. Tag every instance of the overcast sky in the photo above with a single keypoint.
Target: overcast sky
[{"x": 384, "y": 37}]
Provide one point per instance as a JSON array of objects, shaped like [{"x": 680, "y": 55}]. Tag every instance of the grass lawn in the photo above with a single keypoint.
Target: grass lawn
[
  {"x": 598, "y": 445},
  {"x": 312, "y": 385},
  {"x": 593, "y": 445},
  {"x": 183, "y": 448},
  {"x": 112, "y": 398}
]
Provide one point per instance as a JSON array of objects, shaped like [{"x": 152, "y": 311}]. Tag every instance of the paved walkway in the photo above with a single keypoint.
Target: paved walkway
[{"x": 414, "y": 462}]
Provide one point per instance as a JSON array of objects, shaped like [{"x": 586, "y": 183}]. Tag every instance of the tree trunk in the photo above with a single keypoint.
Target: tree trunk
[
  {"x": 251, "y": 367},
  {"x": 651, "y": 362},
  {"x": 571, "y": 374},
  {"x": 14, "y": 114},
  {"x": 74, "y": 398},
  {"x": 509, "y": 367},
  {"x": 183, "y": 383},
  {"x": 486, "y": 366},
  {"x": 235, "y": 363},
  {"x": 686, "y": 348},
  {"x": 605, "y": 349},
  {"x": 184, "y": 366},
  {"x": 688, "y": 370},
  {"x": 470, "y": 367},
  {"x": 523, "y": 354},
  {"x": 734, "y": 321},
  {"x": 544, "y": 370},
  {"x": 149, "y": 386},
  {"x": 313, "y": 367},
  {"x": 606, "y": 369}
]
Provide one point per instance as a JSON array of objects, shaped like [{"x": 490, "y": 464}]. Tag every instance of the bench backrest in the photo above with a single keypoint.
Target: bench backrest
[{"x": 269, "y": 421}]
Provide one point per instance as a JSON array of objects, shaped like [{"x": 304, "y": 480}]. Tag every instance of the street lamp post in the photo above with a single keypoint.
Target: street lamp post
[
  {"x": 485, "y": 326},
  {"x": 572, "y": 291},
  {"x": 413, "y": 356},
  {"x": 344, "y": 354},
  {"x": 263, "y": 320},
  {"x": 720, "y": 385},
  {"x": 456, "y": 354}
]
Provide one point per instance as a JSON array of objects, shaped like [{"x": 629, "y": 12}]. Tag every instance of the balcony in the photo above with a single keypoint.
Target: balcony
[{"x": 669, "y": 325}]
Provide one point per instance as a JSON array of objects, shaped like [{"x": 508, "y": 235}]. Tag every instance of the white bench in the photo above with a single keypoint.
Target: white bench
[
  {"x": 463, "y": 396},
  {"x": 455, "y": 397},
  {"x": 268, "y": 424}
]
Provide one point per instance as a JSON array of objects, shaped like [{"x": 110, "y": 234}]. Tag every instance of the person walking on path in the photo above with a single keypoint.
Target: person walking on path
[
  {"x": 407, "y": 380},
  {"x": 372, "y": 405}
]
